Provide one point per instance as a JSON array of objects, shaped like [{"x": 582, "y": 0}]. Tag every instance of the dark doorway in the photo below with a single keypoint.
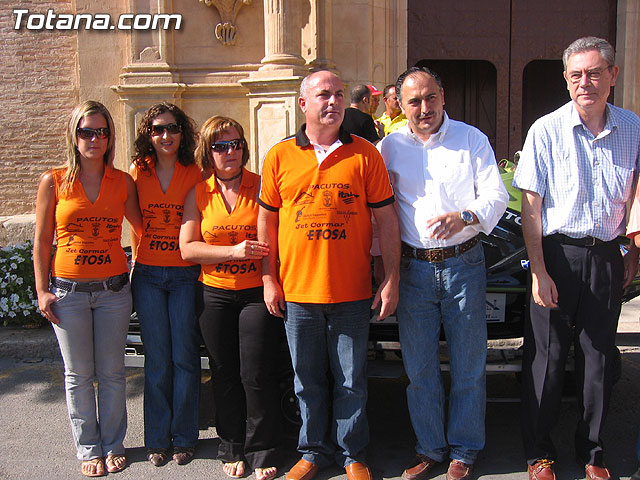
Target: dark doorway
[{"x": 543, "y": 90}]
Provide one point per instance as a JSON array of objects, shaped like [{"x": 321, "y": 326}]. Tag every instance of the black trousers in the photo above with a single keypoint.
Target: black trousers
[
  {"x": 589, "y": 282},
  {"x": 243, "y": 339}
]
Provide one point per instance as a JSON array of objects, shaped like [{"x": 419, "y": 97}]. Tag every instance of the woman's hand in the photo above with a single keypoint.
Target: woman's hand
[
  {"x": 44, "y": 304},
  {"x": 250, "y": 250}
]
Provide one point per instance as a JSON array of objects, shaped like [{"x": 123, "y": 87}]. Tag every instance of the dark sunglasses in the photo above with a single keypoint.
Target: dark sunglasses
[
  {"x": 219, "y": 147},
  {"x": 89, "y": 133},
  {"x": 158, "y": 130}
]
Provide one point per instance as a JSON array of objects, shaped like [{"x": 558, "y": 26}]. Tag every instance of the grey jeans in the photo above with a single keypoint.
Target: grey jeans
[{"x": 92, "y": 334}]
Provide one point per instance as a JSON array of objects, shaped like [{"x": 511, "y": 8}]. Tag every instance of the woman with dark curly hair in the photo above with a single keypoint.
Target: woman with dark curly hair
[
  {"x": 164, "y": 285},
  {"x": 219, "y": 231}
]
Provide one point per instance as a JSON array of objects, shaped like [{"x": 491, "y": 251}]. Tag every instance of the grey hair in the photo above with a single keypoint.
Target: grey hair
[{"x": 586, "y": 44}]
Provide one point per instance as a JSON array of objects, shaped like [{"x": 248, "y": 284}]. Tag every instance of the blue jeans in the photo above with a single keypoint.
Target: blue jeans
[
  {"x": 92, "y": 333},
  {"x": 165, "y": 299},
  {"x": 451, "y": 293},
  {"x": 330, "y": 341}
]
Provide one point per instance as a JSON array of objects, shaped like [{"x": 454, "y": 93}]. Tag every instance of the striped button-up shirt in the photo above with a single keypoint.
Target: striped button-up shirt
[{"x": 584, "y": 180}]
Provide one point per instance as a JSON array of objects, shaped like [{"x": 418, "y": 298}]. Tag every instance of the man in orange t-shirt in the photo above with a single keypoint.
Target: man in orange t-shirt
[{"x": 319, "y": 189}]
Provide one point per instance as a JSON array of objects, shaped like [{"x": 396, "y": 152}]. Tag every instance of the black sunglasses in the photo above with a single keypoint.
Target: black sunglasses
[
  {"x": 158, "y": 130},
  {"x": 89, "y": 133},
  {"x": 219, "y": 147}
]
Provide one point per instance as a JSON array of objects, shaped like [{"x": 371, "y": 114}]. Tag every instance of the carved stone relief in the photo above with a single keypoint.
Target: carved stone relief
[{"x": 226, "y": 32}]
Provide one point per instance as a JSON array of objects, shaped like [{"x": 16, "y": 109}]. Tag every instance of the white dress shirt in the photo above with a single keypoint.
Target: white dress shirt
[{"x": 454, "y": 170}]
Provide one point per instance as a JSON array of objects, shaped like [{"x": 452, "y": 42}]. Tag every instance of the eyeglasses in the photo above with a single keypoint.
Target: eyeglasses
[
  {"x": 89, "y": 133},
  {"x": 593, "y": 75},
  {"x": 172, "y": 128},
  {"x": 219, "y": 147}
]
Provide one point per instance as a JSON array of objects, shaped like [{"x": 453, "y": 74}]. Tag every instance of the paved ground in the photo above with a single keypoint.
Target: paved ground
[{"x": 35, "y": 442}]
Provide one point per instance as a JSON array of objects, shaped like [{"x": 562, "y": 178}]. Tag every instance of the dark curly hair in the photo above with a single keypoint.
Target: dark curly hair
[{"x": 143, "y": 148}]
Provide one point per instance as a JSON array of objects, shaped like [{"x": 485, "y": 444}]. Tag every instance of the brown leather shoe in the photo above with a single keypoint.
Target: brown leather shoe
[
  {"x": 419, "y": 467},
  {"x": 597, "y": 473},
  {"x": 358, "y": 471},
  {"x": 303, "y": 470},
  {"x": 542, "y": 470},
  {"x": 459, "y": 470}
]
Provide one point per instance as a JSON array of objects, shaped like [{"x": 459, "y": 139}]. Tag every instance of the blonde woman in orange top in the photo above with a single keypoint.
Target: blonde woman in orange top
[
  {"x": 164, "y": 285},
  {"x": 219, "y": 231},
  {"x": 88, "y": 297}
]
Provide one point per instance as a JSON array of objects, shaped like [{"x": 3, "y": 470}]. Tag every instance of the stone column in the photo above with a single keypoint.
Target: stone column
[
  {"x": 282, "y": 35},
  {"x": 321, "y": 35},
  {"x": 273, "y": 89},
  {"x": 627, "y": 91}
]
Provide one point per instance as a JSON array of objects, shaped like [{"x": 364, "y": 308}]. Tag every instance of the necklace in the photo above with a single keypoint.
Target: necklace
[{"x": 230, "y": 178}]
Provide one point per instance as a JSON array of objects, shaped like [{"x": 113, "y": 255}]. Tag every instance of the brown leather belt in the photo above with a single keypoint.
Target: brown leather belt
[{"x": 435, "y": 255}]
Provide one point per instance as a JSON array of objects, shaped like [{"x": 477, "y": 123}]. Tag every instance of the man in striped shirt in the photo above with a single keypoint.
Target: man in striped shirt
[{"x": 576, "y": 171}]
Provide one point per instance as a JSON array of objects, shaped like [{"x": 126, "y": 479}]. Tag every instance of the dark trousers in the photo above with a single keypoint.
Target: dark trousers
[
  {"x": 243, "y": 339},
  {"x": 589, "y": 282}
]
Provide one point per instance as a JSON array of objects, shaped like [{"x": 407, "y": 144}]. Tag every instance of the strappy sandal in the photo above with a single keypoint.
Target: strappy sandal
[
  {"x": 115, "y": 463},
  {"x": 97, "y": 470},
  {"x": 157, "y": 456}
]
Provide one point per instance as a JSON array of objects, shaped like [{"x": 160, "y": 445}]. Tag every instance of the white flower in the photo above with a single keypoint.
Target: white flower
[
  {"x": 14, "y": 297},
  {"x": 14, "y": 266},
  {"x": 19, "y": 281},
  {"x": 12, "y": 314}
]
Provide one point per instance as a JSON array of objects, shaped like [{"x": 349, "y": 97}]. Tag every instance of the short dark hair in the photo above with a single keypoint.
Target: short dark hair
[
  {"x": 415, "y": 71},
  {"x": 359, "y": 92},
  {"x": 387, "y": 89}
]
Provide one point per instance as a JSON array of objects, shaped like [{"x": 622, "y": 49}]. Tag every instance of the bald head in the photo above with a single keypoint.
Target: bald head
[{"x": 322, "y": 100}]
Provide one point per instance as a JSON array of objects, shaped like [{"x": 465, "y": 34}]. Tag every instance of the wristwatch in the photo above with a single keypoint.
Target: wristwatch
[{"x": 467, "y": 217}]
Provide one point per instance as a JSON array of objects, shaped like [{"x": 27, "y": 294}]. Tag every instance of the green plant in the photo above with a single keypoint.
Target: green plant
[{"x": 18, "y": 302}]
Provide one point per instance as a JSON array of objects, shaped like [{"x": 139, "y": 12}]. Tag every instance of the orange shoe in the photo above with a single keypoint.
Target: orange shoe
[{"x": 303, "y": 470}]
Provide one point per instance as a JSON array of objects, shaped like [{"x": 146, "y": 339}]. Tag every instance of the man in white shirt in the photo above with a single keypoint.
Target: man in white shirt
[{"x": 448, "y": 190}]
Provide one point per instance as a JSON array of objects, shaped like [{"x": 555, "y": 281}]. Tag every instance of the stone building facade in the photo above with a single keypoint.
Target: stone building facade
[{"x": 246, "y": 58}]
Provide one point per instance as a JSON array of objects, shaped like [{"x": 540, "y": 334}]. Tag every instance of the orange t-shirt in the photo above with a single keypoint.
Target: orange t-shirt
[
  {"x": 162, "y": 214},
  {"x": 324, "y": 234},
  {"x": 218, "y": 227},
  {"x": 88, "y": 234}
]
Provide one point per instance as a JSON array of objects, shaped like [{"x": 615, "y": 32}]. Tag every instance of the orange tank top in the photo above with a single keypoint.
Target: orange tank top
[
  {"x": 88, "y": 234},
  {"x": 162, "y": 214},
  {"x": 218, "y": 227}
]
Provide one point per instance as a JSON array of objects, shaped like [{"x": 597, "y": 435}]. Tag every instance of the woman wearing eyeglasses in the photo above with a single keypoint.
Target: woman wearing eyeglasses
[
  {"x": 88, "y": 297},
  {"x": 164, "y": 285},
  {"x": 219, "y": 231}
]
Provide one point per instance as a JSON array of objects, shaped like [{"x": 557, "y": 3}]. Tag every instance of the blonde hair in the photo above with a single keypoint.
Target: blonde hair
[{"x": 72, "y": 165}]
